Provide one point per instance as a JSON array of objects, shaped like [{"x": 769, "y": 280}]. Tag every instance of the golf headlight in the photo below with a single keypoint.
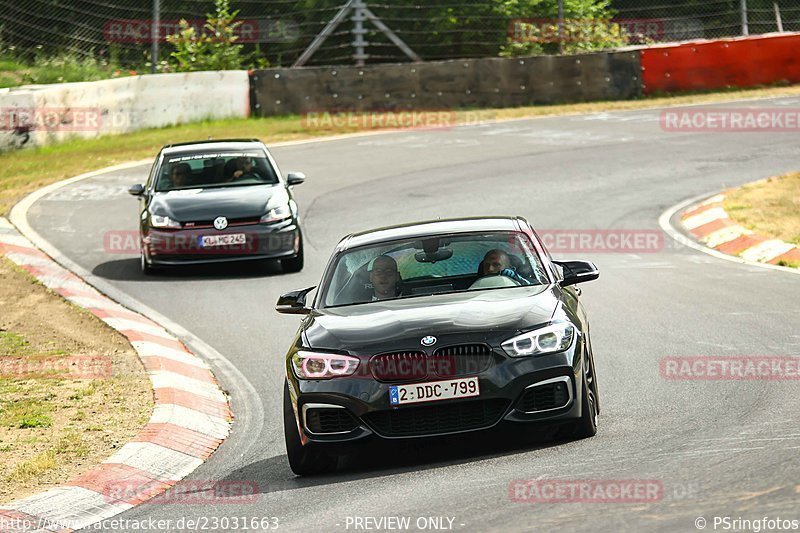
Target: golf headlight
[
  {"x": 313, "y": 365},
  {"x": 550, "y": 339},
  {"x": 160, "y": 221},
  {"x": 276, "y": 215}
]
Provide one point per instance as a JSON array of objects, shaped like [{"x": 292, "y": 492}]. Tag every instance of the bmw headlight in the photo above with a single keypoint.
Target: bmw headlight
[
  {"x": 277, "y": 214},
  {"x": 314, "y": 365},
  {"x": 550, "y": 339},
  {"x": 160, "y": 221}
]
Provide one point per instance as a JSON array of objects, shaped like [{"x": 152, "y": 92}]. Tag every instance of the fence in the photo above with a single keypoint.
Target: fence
[{"x": 278, "y": 31}]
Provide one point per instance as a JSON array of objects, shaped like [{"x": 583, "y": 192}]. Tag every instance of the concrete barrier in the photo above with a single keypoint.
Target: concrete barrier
[
  {"x": 492, "y": 82},
  {"x": 39, "y": 115}
]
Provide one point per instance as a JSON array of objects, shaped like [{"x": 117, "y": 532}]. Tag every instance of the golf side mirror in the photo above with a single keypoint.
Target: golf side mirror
[{"x": 136, "y": 190}]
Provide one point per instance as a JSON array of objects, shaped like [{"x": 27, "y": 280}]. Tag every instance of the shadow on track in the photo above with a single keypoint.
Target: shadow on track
[
  {"x": 274, "y": 479},
  {"x": 128, "y": 270}
]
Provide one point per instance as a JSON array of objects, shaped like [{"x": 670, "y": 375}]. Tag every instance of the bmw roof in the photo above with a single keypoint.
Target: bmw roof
[{"x": 430, "y": 228}]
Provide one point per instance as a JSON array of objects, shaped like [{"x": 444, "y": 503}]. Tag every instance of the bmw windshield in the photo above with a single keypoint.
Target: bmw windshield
[{"x": 435, "y": 265}]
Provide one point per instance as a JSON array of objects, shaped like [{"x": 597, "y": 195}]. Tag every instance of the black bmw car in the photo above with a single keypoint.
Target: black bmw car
[
  {"x": 437, "y": 328},
  {"x": 215, "y": 201}
]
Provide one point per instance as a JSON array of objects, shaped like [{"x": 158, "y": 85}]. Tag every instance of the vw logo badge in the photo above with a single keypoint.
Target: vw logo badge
[
  {"x": 430, "y": 340},
  {"x": 220, "y": 223}
]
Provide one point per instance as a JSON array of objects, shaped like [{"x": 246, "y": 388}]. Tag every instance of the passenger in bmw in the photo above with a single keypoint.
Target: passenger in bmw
[{"x": 384, "y": 277}]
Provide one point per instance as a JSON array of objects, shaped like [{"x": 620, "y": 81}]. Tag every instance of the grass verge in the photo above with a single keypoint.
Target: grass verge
[
  {"x": 52, "y": 426},
  {"x": 24, "y": 171},
  {"x": 769, "y": 207}
]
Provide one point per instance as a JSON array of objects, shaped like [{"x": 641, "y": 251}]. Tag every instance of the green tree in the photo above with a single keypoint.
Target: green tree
[
  {"x": 212, "y": 48},
  {"x": 534, "y": 29}
]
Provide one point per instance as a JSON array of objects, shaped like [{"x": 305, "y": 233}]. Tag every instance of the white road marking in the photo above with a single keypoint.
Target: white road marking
[
  {"x": 213, "y": 426},
  {"x": 767, "y": 250},
  {"x": 700, "y": 219},
  {"x": 162, "y": 463}
]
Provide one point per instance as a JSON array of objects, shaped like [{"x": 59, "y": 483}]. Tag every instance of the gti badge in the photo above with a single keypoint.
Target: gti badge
[
  {"x": 220, "y": 223},
  {"x": 430, "y": 340}
]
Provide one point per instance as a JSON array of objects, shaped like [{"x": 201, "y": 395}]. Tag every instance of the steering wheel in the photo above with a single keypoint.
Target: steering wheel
[{"x": 493, "y": 281}]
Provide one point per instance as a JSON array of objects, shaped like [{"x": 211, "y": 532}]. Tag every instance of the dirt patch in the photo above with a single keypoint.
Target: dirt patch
[
  {"x": 53, "y": 428},
  {"x": 770, "y": 207}
]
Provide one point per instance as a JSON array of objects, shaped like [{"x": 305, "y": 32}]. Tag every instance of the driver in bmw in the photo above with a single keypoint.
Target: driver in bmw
[{"x": 384, "y": 277}]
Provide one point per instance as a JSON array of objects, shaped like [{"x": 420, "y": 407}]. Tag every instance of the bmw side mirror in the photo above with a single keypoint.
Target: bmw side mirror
[
  {"x": 577, "y": 272},
  {"x": 295, "y": 178},
  {"x": 294, "y": 303},
  {"x": 136, "y": 190}
]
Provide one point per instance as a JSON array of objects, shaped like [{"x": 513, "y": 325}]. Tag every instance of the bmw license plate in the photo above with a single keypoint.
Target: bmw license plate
[
  {"x": 434, "y": 390},
  {"x": 207, "y": 241}
]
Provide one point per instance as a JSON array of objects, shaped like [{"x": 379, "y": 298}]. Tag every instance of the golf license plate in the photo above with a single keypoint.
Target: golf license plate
[
  {"x": 207, "y": 241},
  {"x": 434, "y": 390}
]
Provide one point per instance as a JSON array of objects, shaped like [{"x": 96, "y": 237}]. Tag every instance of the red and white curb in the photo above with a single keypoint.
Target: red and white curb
[
  {"x": 710, "y": 224},
  {"x": 190, "y": 419}
]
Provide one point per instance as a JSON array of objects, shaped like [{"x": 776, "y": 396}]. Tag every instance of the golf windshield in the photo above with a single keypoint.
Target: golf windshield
[
  {"x": 435, "y": 265},
  {"x": 216, "y": 169}
]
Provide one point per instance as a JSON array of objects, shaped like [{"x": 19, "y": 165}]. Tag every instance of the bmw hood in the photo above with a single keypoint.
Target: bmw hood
[
  {"x": 489, "y": 316},
  {"x": 230, "y": 202}
]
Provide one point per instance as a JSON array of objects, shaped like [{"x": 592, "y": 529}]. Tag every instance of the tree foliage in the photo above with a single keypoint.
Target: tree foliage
[{"x": 213, "y": 48}]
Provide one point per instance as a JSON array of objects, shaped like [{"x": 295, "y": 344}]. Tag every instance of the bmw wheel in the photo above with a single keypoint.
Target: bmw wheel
[
  {"x": 587, "y": 425},
  {"x": 304, "y": 460}
]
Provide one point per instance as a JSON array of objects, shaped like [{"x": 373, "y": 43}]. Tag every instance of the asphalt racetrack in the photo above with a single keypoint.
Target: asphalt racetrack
[{"x": 724, "y": 448}]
